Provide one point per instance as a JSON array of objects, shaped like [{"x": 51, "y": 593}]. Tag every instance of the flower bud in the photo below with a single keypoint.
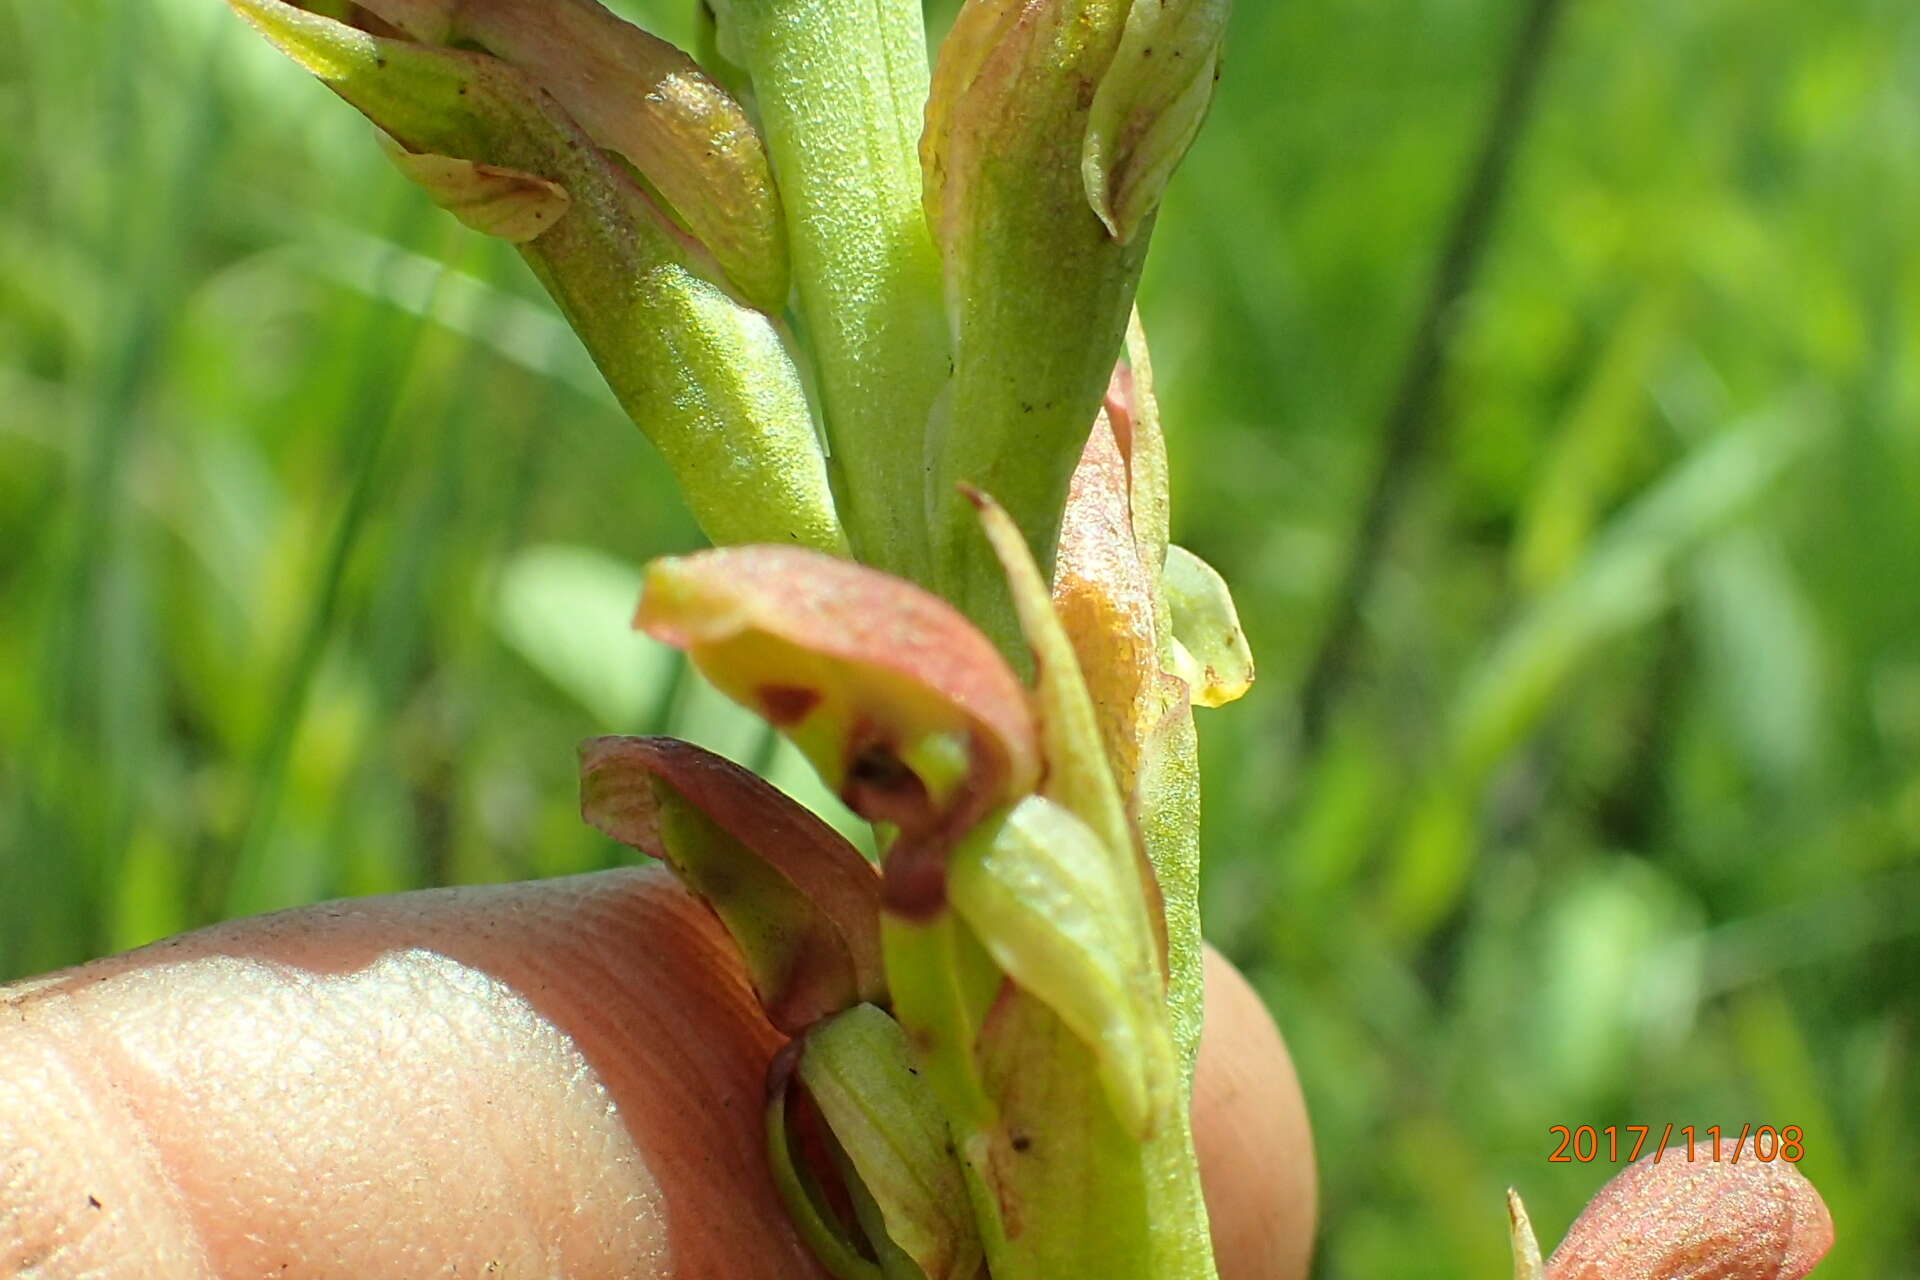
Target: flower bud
[
  {"x": 1052, "y": 128},
  {"x": 708, "y": 379},
  {"x": 898, "y": 1166},
  {"x": 1061, "y": 915},
  {"x": 1149, "y": 106},
  {"x": 646, "y": 101}
]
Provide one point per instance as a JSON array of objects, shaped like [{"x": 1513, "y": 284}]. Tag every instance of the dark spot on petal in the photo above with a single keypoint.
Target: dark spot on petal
[{"x": 786, "y": 704}]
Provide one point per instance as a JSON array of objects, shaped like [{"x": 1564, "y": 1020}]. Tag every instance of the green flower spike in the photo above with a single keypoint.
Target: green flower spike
[
  {"x": 992, "y": 1035},
  {"x": 708, "y": 377},
  {"x": 1018, "y": 923}
]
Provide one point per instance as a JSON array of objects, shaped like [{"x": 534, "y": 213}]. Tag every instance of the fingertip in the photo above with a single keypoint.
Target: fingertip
[
  {"x": 81, "y": 1192},
  {"x": 563, "y": 1077},
  {"x": 1252, "y": 1135},
  {"x": 557, "y": 1078}
]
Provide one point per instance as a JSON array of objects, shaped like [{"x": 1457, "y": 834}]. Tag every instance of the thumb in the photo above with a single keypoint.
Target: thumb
[
  {"x": 560, "y": 1078},
  {"x": 557, "y": 1078}
]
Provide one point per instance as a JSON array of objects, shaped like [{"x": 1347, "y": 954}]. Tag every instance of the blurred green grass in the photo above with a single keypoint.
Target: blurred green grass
[{"x": 318, "y": 537}]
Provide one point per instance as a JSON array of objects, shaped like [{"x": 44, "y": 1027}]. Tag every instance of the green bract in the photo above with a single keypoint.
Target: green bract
[
  {"x": 909, "y": 1189},
  {"x": 1056, "y": 911}
]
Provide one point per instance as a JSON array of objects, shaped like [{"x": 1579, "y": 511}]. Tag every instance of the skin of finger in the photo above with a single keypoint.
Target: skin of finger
[
  {"x": 1252, "y": 1136},
  {"x": 561, "y": 1078}
]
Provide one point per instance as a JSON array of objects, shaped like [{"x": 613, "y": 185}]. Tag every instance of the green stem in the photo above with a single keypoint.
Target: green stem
[{"x": 841, "y": 86}]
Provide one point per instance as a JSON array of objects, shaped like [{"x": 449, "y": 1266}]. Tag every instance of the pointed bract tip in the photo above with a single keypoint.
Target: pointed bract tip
[{"x": 1526, "y": 1248}]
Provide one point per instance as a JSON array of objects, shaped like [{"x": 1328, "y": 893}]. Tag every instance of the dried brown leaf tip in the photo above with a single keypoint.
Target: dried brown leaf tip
[
  {"x": 1105, "y": 594},
  {"x": 904, "y": 707},
  {"x": 1698, "y": 1220}
]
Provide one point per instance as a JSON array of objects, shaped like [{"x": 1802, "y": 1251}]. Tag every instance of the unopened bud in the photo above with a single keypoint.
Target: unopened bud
[
  {"x": 646, "y": 101},
  {"x": 1052, "y": 129},
  {"x": 708, "y": 378}
]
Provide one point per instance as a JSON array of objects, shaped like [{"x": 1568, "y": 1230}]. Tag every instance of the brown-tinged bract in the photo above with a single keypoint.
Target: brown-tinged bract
[{"x": 800, "y": 902}]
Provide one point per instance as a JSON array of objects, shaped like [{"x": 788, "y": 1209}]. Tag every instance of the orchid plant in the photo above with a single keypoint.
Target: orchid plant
[{"x": 877, "y": 315}]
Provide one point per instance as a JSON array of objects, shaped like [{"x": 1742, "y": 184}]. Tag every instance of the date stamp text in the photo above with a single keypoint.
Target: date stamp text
[{"x": 1623, "y": 1143}]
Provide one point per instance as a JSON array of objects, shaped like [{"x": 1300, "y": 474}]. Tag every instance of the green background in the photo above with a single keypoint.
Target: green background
[{"x": 318, "y": 537}]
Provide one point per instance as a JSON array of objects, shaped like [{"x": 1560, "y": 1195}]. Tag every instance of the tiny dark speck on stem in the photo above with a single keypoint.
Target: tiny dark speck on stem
[
  {"x": 380, "y": 64},
  {"x": 93, "y": 1202},
  {"x": 1021, "y": 1142}
]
